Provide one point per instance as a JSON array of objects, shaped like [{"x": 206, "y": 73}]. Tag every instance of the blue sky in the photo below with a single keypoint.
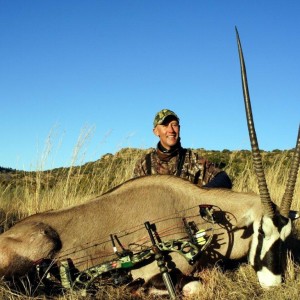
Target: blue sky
[{"x": 98, "y": 71}]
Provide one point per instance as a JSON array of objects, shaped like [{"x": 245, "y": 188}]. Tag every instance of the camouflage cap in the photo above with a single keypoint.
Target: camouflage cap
[{"x": 161, "y": 116}]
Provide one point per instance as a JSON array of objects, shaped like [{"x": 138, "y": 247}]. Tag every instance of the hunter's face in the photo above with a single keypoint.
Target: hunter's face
[{"x": 168, "y": 132}]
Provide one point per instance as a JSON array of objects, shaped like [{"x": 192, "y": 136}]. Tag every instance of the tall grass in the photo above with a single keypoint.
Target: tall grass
[
  {"x": 276, "y": 174},
  {"x": 32, "y": 192}
]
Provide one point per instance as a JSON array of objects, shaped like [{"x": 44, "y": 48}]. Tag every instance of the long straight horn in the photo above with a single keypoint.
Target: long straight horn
[
  {"x": 257, "y": 161},
  {"x": 289, "y": 191}
]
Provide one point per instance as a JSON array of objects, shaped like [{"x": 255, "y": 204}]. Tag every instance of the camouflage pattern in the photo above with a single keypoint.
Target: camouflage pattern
[
  {"x": 161, "y": 115},
  {"x": 196, "y": 169}
]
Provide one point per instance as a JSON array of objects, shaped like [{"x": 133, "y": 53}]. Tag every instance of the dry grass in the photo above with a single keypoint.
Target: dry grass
[{"x": 44, "y": 190}]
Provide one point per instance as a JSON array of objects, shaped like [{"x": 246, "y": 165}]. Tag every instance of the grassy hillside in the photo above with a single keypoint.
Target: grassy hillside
[{"x": 37, "y": 191}]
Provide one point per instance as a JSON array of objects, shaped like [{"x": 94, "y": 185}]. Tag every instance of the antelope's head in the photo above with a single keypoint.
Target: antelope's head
[{"x": 268, "y": 252}]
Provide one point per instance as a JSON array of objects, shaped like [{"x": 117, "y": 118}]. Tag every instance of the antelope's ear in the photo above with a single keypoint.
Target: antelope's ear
[
  {"x": 244, "y": 222},
  {"x": 294, "y": 214},
  {"x": 247, "y": 219}
]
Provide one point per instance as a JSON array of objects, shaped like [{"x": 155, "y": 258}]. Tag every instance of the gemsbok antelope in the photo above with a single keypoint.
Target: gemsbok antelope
[{"x": 122, "y": 233}]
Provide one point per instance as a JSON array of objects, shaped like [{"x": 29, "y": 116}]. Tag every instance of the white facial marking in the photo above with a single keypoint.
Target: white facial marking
[
  {"x": 286, "y": 230},
  {"x": 267, "y": 279},
  {"x": 271, "y": 235}
]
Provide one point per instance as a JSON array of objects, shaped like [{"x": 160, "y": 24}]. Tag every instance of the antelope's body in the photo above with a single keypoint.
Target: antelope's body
[
  {"x": 163, "y": 200},
  {"x": 82, "y": 232}
]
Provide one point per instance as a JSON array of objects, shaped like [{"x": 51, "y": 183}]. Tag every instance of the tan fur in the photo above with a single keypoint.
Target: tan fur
[
  {"x": 162, "y": 200},
  {"x": 24, "y": 245}
]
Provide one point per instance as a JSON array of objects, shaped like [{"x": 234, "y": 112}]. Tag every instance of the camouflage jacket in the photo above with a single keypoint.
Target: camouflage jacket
[{"x": 191, "y": 166}]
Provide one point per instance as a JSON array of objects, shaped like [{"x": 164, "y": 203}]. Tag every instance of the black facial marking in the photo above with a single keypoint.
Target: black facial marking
[{"x": 279, "y": 221}]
